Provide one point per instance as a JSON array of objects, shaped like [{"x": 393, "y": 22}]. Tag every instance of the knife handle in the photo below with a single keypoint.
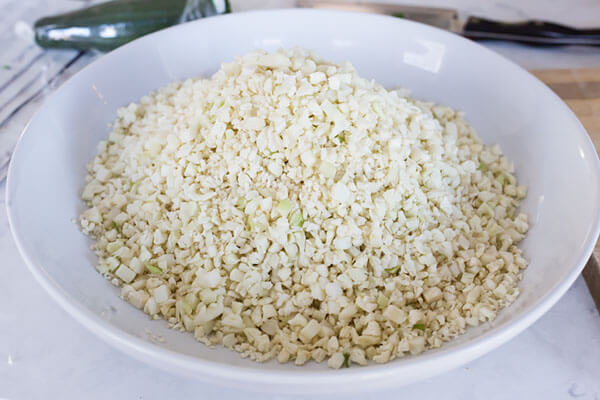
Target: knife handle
[{"x": 531, "y": 32}]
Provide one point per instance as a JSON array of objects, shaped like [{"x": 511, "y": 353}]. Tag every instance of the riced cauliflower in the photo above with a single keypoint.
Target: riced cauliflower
[{"x": 287, "y": 208}]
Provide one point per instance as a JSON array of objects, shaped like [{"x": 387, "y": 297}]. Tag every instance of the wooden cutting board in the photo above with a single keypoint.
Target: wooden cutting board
[{"x": 580, "y": 89}]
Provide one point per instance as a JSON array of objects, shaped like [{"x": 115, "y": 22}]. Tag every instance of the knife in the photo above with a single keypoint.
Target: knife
[{"x": 531, "y": 31}]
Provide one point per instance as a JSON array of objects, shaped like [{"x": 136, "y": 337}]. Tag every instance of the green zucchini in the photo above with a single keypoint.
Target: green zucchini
[{"x": 109, "y": 25}]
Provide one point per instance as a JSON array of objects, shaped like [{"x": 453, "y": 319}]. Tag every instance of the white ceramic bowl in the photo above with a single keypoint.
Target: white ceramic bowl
[{"x": 552, "y": 153}]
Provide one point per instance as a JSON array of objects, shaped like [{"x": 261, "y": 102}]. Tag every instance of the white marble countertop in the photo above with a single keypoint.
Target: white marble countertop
[{"x": 45, "y": 354}]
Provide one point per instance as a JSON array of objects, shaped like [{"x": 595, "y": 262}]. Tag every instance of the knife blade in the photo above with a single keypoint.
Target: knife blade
[{"x": 533, "y": 32}]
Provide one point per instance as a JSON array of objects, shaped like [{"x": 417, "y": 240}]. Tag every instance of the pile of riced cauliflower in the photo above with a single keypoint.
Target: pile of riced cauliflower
[{"x": 288, "y": 208}]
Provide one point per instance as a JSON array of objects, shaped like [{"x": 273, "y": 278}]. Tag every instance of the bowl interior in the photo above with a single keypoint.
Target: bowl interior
[{"x": 552, "y": 155}]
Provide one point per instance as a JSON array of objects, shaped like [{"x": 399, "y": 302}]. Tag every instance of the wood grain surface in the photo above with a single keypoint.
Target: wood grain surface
[
  {"x": 29, "y": 73},
  {"x": 580, "y": 89}
]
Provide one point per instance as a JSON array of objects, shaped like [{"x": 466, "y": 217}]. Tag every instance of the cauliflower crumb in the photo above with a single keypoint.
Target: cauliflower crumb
[{"x": 288, "y": 208}]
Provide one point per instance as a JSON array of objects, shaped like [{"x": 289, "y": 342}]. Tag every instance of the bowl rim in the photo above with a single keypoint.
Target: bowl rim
[{"x": 442, "y": 360}]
